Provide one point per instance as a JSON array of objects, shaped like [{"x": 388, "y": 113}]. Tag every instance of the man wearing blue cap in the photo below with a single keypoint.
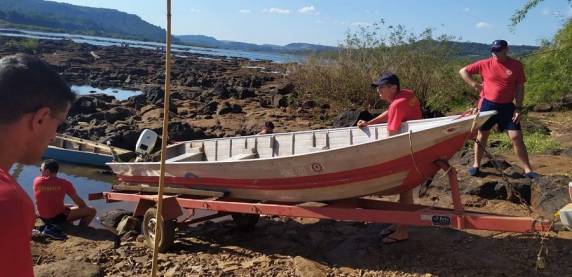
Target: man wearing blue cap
[
  {"x": 403, "y": 106},
  {"x": 501, "y": 90}
]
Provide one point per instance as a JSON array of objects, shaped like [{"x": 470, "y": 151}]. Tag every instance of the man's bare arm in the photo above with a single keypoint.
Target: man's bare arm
[
  {"x": 378, "y": 119},
  {"x": 78, "y": 201},
  {"x": 469, "y": 80},
  {"x": 519, "y": 95}
]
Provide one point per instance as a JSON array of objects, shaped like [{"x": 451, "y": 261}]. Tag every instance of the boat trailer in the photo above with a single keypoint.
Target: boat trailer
[{"x": 246, "y": 214}]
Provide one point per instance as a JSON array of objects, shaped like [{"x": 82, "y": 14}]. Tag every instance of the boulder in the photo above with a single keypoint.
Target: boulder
[
  {"x": 542, "y": 107},
  {"x": 117, "y": 113},
  {"x": 112, "y": 218},
  {"x": 549, "y": 194},
  {"x": 127, "y": 224},
  {"x": 350, "y": 118},
  {"x": 229, "y": 108}
]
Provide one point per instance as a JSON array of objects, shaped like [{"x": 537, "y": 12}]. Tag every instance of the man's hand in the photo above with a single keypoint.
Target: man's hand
[
  {"x": 516, "y": 116},
  {"x": 477, "y": 86},
  {"x": 362, "y": 123}
]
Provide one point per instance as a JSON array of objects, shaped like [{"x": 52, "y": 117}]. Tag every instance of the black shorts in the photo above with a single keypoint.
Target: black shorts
[
  {"x": 503, "y": 118},
  {"x": 58, "y": 219}
]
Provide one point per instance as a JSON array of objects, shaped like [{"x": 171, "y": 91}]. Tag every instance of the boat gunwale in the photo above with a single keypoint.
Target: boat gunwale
[{"x": 280, "y": 158}]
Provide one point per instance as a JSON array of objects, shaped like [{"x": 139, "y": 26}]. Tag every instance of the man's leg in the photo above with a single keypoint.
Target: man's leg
[
  {"x": 482, "y": 138},
  {"x": 85, "y": 215},
  {"x": 520, "y": 149},
  {"x": 401, "y": 231}
]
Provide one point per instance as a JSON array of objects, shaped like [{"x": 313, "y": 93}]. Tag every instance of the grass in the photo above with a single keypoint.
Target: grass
[{"x": 536, "y": 143}]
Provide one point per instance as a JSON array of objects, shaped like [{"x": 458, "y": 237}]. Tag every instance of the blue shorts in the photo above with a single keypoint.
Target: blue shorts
[{"x": 503, "y": 118}]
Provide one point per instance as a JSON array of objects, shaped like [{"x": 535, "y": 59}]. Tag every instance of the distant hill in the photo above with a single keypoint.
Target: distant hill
[
  {"x": 61, "y": 17},
  {"x": 480, "y": 50},
  {"x": 207, "y": 41}
]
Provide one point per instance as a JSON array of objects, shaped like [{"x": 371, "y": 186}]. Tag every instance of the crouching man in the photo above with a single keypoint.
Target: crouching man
[{"x": 50, "y": 192}]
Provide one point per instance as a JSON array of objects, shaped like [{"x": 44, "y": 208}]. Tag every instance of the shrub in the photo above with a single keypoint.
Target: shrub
[{"x": 422, "y": 62}]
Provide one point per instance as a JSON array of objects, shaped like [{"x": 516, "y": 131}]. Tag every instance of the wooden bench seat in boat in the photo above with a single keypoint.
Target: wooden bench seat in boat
[
  {"x": 194, "y": 155},
  {"x": 247, "y": 154}
]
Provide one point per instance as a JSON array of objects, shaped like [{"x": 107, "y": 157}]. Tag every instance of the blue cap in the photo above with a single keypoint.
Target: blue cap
[
  {"x": 498, "y": 45},
  {"x": 386, "y": 78}
]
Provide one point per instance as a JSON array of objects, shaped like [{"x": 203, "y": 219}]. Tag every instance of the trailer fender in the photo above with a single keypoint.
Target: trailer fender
[{"x": 171, "y": 208}]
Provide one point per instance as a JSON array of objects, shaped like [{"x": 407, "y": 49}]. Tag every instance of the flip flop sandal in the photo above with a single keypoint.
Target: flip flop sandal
[
  {"x": 390, "y": 240},
  {"x": 386, "y": 232}
]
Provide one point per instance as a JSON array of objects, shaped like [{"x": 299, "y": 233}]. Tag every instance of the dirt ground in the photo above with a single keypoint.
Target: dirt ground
[{"x": 307, "y": 247}]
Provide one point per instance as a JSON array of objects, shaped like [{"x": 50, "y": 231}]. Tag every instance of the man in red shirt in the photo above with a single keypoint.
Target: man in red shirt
[
  {"x": 34, "y": 100},
  {"x": 50, "y": 192},
  {"x": 403, "y": 106},
  {"x": 502, "y": 90}
]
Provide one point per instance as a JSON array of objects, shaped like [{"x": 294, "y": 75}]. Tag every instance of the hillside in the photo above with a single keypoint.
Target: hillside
[
  {"x": 208, "y": 41},
  {"x": 61, "y": 17}
]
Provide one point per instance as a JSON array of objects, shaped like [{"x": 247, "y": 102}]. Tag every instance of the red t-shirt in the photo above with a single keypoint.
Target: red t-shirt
[
  {"x": 50, "y": 193},
  {"x": 499, "y": 78},
  {"x": 405, "y": 106},
  {"x": 17, "y": 220}
]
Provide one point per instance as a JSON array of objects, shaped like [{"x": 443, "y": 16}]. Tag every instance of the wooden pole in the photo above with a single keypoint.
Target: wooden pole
[{"x": 165, "y": 137}]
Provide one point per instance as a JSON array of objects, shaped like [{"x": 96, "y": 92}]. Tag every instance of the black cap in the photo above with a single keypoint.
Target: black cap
[
  {"x": 498, "y": 45},
  {"x": 386, "y": 78}
]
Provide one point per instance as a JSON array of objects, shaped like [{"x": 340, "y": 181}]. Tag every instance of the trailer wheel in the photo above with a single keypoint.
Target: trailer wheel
[
  {"x": 166, "y": 237},
  {"x": 245, "y": 221}
]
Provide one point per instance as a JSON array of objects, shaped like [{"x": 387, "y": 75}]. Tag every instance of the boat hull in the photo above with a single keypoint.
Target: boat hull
[
  {"x": 388, "y": 166},
  {"x": 77, "y": 157}
]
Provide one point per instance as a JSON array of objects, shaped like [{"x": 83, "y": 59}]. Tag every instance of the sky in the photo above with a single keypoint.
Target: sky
[{"x": 328, "y": 21}]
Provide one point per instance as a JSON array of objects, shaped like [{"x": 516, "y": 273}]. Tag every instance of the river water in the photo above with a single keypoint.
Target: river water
[{"x": 104, "y": 41}]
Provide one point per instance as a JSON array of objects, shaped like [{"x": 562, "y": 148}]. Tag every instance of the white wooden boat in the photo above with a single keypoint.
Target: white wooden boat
[
  {"x": 317, "y": 165},
  {"x": 75, "y": 150}
]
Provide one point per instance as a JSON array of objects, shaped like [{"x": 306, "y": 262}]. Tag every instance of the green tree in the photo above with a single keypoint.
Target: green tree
[
  {"x": 549, "y": 69},
  {"x": 521, "y": 13}
]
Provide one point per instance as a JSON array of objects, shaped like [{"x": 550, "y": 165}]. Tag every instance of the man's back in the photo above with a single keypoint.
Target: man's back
[
  {"x": 50, "y": 193},
  {"x": 18, "y": 220}
]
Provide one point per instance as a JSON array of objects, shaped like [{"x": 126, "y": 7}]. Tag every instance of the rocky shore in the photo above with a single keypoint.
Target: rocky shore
[{"x": 216, "y": 97}]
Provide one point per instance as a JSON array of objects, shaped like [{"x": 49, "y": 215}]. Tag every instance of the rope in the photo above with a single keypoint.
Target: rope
[
  {"x": 413, "y": 158},
  {"x": 165, "y": 136}
]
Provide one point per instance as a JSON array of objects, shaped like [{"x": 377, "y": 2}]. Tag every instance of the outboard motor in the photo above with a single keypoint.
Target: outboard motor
[{"x": 145, "y": 144}]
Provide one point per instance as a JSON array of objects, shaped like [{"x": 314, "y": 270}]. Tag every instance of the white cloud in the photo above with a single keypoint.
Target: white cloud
[
  {"x": 244, "y": 11},
  {"x": 483, "y": 25},
  {"x": 467, "y": 10},
  {"x": 546, "y": 11},
  {"x": 363, "y": 24},
  {"x": 319, "y": 21},
  {"x": 195, "y": 10},
  {"x": 276, "y": 10},
  {"x": 308, "y": 10}
]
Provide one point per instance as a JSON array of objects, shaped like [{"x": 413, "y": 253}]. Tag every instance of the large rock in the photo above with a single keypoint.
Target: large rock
[
  {"x": 542, "y": 107},
  {"x": 549, "y": 194},
  {"x": 117, "y": 113},
  {"x": 229, "y": 108},
  {"x": 350, "y": 118},
  {"x": 112, "y": 218},
  {"x": 68, "y": 268},
  {"x": 127, "y": 224},
  {"x": 87, "y": 104}
]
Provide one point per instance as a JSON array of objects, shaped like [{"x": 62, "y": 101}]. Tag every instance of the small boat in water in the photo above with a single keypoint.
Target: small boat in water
[
  {"x": 75, "y": 150},
  {"x": 317, "y": 165}
]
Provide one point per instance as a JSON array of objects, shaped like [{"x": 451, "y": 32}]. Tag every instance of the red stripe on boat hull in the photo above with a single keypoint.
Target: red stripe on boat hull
[{"x": 424, "y": 159}]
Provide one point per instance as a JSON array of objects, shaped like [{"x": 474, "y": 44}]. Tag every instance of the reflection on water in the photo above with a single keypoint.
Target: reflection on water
[
  {"x": 86, "y": 180},
  {"x": 119, "y": 94}
]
